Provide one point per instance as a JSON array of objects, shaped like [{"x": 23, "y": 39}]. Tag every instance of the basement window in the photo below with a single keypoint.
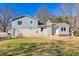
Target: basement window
[{"x": 36, "y": 31}]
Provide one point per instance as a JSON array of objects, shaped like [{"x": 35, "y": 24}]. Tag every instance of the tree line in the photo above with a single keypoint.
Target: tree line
[{"x": 68, "y": 13}]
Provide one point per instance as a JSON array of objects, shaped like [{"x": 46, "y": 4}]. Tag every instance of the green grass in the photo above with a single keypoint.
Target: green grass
[{"x": 38, "y": 47}]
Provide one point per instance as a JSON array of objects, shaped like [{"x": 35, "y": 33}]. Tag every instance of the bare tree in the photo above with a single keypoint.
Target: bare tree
[
  {"x": 76, "y": 18},
  {"x": 5, "y": 15},
  {"x": 43, "y": 14},
  {"x": 72, "y": 11}
]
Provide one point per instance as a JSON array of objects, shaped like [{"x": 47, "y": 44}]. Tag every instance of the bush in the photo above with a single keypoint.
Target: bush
[{"x": 77, "y": 33}]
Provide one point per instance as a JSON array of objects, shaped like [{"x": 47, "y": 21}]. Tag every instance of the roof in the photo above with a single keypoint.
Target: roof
[
  {"x": 54, "y": 25},
  {"x": 42, "y": 26},
  {"x": 24, "y": 16},
  {"x": 60, "y": 24}
]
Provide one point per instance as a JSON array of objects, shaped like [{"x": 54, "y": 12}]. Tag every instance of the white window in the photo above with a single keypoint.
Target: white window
[
  {"x": 31, "y": 22},
  {"x": 19, "y": 23},
  {"x": 63, "y": 28}
]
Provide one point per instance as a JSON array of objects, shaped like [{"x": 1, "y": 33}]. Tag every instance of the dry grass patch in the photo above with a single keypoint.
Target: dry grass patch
[{"x": 48, "y": 46}]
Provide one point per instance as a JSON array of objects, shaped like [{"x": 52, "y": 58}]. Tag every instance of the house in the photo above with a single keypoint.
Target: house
[
  {"x": 30, "y": 26},
  {"x": 61, "y": 29}
]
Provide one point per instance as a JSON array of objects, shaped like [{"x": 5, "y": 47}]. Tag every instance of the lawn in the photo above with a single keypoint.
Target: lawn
[{"x": 40, "y": 46}]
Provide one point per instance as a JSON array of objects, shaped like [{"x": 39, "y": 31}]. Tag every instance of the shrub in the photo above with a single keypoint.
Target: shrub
[{"x": 77, "y": 33}]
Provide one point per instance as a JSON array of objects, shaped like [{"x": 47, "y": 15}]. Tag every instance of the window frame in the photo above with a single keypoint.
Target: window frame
[
  {"x": 61, "y": 28},
  {"x": 42, "y": 29},
  {"x": 31, "y": 22},
  {"x": 64, "y": 28},
  {"x": 19, "y": 22}
]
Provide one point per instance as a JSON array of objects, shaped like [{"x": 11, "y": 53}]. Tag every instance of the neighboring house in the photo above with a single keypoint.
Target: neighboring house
[{"x": 29, "y": 26}]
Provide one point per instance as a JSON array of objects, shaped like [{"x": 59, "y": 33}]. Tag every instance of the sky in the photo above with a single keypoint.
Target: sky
[{"x": 31, "y": 8}]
